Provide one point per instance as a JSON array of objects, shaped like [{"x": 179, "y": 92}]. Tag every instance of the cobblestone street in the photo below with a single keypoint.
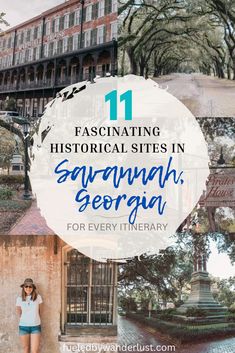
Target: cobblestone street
[{"x": 131, "y": 333}]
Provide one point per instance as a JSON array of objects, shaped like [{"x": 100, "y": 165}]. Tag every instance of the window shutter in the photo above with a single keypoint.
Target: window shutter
[
  {"x": 84, "y": 14},
  {"x": 61, "y": 26},
  {"x": 83, "y": 39},
  {"x": 94, "y": 36},
  {"x": 78, "y": 41},
  {"x": 104, "y": 34},
  {"x": 94, "y": 11},
  {"x": 108, "y": 6},
  {"x": 71, "y": 19}
]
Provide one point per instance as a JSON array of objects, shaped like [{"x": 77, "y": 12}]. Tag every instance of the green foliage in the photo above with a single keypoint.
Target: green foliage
[
  {"x": 226, "y": 293},
  {"x": 11, "y": 179},
  {"x": 154, "y": 276},
  {"x": 196, "y": 312},
  {"x": 167, "y": 314},
  {"x": 160, "y": 37},
  {"x": 14, "y": 205},
  {"x": 185, "y": 333},
  {"x": 128, "y": 304},
  {"x": 5, "y": 194},
  {"x": 10, "y": 104}
]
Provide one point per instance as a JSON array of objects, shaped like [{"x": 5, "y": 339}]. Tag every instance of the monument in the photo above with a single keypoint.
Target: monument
[
  {"x": 17, "y": 165},
  {"x": 201, "y": 296}
]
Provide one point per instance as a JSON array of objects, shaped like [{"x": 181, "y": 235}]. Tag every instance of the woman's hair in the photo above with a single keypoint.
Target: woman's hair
[{"x": 33, "y": 294}]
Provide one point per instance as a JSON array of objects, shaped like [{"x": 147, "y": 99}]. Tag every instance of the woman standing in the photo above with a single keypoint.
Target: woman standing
[{"x": 28, "y": 308}]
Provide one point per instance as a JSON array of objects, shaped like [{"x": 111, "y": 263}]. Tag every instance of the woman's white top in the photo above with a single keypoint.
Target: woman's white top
[{"x": 30, "y": 311}]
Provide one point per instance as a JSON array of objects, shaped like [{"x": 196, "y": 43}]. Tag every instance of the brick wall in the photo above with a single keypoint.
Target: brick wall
[{"x": 22, "y": 257}]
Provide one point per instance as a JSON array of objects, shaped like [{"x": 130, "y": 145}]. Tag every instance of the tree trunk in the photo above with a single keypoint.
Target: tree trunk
[
  {"x": 132, "y": 59},
  {"x": 123, "y": 62},
  {"x": 234, "y": 68}
]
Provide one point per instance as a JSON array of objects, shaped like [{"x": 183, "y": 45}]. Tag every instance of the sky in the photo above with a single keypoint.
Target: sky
[
  {"x": 219, "y": 265},
  {"x": 18, "y": 11}
]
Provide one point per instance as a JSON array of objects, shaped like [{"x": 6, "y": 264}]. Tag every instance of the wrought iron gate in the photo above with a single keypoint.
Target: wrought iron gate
[{"x": 90, "y": 291}]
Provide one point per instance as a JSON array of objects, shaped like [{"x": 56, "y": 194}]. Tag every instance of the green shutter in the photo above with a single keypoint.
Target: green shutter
[
  {"x": 83, "y": 39},
  {"x": 84, "y": 14},
  {"x": 94, "y": 11},
  {"x": 78, "y": 39},
  {"x": 104, "y": 34},
  {"x": 53, "y": 27},
  {"x": 71, "y": 19},
  {"x": 94, "y": 36},
  {"x": 107, "y": 6}
]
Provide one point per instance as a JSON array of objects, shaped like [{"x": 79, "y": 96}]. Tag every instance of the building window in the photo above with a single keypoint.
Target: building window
[
  {"x": 95, "y": 10},
  {"x": 26, "y": 55},
  {"x": 76, "y": 38},
  {"x": 113, "y": 30},
  {"x": 108, "y": 6},
  {"x": 48, "y": 28},
  {"x": 65, "y": 44},
  {"x": 62, "y": 23},
  {"x": 70, "y": 44},
  {"x": 101, "y": 8},
  {"x": 114, "y": 5},
  {"x": 60, "y": 46},
  {"x": 21, "y": 38},
  {"x": 90, "y": 292},
  {"x": 34, "y": 53},
  {"x": 28, "y": 34},
  {"x": 77, "y": 17},
  {"x": 38, "y": 52},
  {"x": 9, "y": 42},
  {"x": 87, "y": 38},
  {"x": 35, "y": 35},
  {"x": 100, "y": 35},
  {"x": 71, "y": 19},
  {"x": 53, "y": 26},
  {"x": 51, "y": 49},
  {"x": 88, "y": 13},
  {"x": 45, "y": 50},
  {"x": 94, "y": 36},
  {"x": 66, "y": 21},
  {"x": 30, "y": 54},
  {"x": 57, "y": 23},
  {"x": 17, "y": 58}
]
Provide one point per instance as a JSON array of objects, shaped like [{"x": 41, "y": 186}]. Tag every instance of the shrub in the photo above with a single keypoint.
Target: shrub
[
  {"x": 166, "y": 314},
  {"x": 5, "y": 194},
  {"x": 183, "y": 333},
  {"x": 11, "y": 179},
  {"x": 196, "y": 312}
]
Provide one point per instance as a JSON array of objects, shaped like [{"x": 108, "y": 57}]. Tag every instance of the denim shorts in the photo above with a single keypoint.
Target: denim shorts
[{"x": 28, "y": 330}]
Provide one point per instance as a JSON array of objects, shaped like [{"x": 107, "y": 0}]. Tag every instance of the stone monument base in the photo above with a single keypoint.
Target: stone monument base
[{"x": 201, "y": 296}]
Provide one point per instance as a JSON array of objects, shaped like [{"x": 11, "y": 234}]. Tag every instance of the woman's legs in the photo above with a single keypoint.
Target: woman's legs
[
  {"x": 34, "y": 342},
  {"x": 24, "y": 339}
]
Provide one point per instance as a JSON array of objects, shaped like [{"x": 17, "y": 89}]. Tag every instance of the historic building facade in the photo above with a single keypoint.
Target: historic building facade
[{"x": 69, "y": 43}]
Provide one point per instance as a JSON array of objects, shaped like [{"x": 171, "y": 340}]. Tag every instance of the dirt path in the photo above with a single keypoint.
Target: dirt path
[{"x": 205, "y": 96}]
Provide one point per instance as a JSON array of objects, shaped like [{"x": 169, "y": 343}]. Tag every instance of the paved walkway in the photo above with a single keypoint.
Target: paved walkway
[
  {"x": 31, "y": 223},
  {"x": 131, "y": 333}
]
